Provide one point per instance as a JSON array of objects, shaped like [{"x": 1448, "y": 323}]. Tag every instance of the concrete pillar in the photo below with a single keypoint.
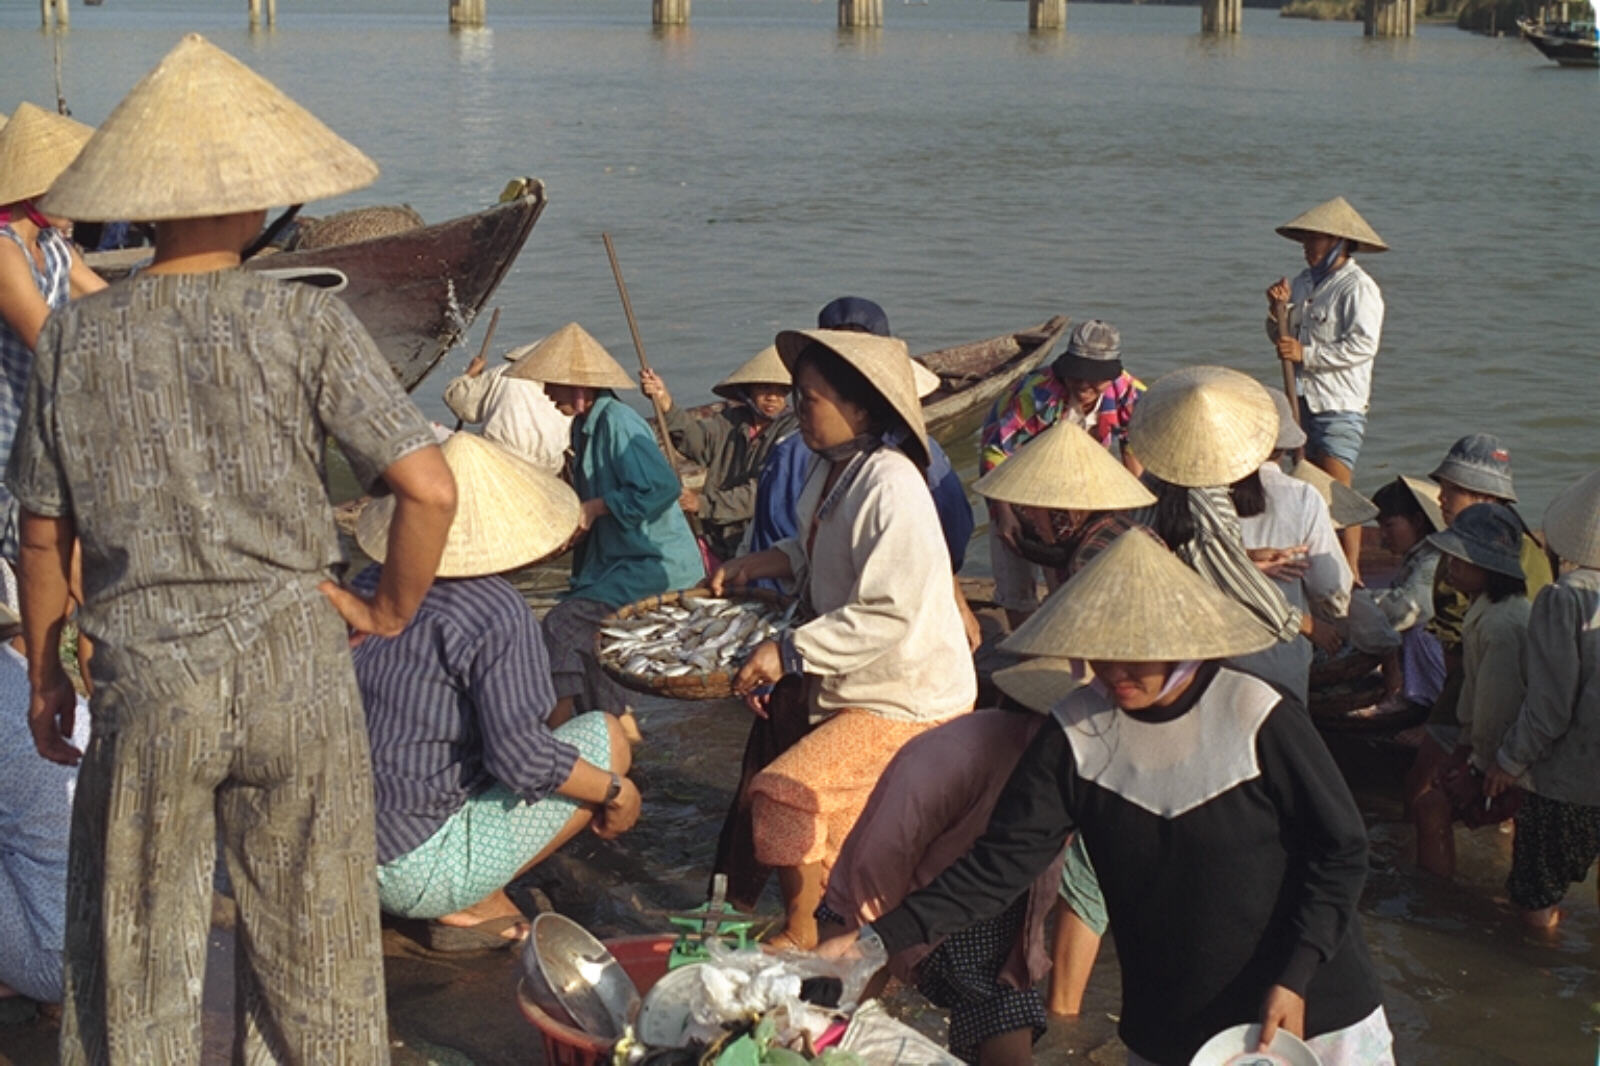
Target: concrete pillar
[
  {"x": 669, "y": 12},
  {"x": 1047, "y": 14},
  {"x": 468, "y": 12},
  {"x": 255, "y": 14},
  {"x": 272, "y": 12},
  {"x": 860, "y": 14},
  {"x": 54, "y": 12},
  {"x": 1220, "y": 16},
  {"x": 1391, "y": 18}
]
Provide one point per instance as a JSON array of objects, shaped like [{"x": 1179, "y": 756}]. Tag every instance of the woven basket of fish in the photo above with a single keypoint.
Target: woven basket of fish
[{"x": 688, "y": 645}]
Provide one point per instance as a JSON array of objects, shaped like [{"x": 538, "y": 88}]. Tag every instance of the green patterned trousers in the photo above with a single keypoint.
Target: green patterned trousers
[{"x": 268, "y": 755}]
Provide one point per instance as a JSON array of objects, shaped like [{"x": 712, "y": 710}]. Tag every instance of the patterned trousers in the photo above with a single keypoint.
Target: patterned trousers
[{"x": 269, "y": 754}]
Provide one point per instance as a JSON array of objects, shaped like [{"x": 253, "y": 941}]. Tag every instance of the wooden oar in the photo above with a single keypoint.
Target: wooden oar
[
  {"x": 483, "y": 350},
  {"x": 1288, "y": 377}
]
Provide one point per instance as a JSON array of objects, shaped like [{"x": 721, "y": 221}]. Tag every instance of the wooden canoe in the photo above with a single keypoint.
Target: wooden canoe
[{"x": 417, "y": 292}]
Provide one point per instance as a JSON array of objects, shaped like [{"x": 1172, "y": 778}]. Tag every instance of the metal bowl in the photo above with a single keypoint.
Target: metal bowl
[{"x": 574, "y": 979}]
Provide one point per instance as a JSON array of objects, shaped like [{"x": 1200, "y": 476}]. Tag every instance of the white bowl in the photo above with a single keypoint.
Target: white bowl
[{"x": 1237, "y": 1047}]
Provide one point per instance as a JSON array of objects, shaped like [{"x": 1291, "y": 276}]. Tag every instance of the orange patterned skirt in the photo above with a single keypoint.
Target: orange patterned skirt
[{"x": 808, "y": 799}]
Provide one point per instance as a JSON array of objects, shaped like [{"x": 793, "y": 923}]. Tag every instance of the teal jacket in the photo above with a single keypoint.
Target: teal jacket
[{"x": 643, "y": 547}]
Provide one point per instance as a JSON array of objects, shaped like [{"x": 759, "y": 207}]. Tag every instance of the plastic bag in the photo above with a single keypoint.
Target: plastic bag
[{"x": 875, "y": 1037}]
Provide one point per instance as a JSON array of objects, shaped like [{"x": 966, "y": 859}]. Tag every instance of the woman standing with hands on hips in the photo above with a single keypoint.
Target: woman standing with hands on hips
[{"x": 884, "y": 655}]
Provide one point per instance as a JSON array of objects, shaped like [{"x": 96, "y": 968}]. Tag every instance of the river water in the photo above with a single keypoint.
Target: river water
[{"x": 974, "y": 178}]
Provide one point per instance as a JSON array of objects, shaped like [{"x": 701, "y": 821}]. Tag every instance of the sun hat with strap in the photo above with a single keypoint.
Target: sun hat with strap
[
  {"x": 1335, "y": 218},
  {"x": 35, "y": 147},
  {"x": 1203, "y": 426},
  {"x": 569, "y": 356},
  {"x": 883, "y": 361}
]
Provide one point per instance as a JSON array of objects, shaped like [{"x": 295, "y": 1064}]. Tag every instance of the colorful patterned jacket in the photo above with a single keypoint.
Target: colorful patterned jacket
[{"x": 1036, "y": 404}]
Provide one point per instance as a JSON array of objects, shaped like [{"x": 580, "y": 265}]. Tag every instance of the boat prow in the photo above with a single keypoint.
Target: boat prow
[{"x": 1568, "y": 43}]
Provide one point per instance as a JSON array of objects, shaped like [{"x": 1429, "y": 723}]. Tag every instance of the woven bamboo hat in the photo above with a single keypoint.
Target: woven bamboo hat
[
  {"x": 1336, "y": 218},
  {"x": 1572, "y": 522},
  {"x": 1038, "y": 684},
  {"x": 1065, "y": 469},
  {"x": 202, "y": 135},
  {"x": 764, "y": 369},
  {"x": 927, "y": 381},
  {"x": 1137, "y": 602},
  {"x": 508, "y": 513},
  {"x": 35, "y": 147},
  {"x": 1426, "y": 495},
  {"x": 1203, "y": 426},
  {"x": 1346, "y": 506},
  {"x": 884, "y": 361},
  {"x": 569, "y": 356}
]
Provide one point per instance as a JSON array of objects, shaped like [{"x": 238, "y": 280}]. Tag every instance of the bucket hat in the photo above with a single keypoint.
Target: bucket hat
[
  {"x": 569, "y": 356},
  {"x": 883, "y": 361},
  {"x": 765, "y": 368},
  {"x": 1335, "y": 218},
  {"x": 1487, "y": 535},
  {"x": 854, "y": 312},
  {"x": 1426, "y": 498},
  {"x": 1572, "y": 522},
  {"x": 509, "y": 513},
  {"x": 35, "y": 147},
  {"x": 1478, "y": 463},
  {"x": 202, "y": 135},
  {"x": 1094, "y": 353},
  {"x": 1203, "y": 426},
  {"x": 1065, "y": 469},
  {"x": 1038, "y": 684},
  {"x": 1290, "y": 435},
  {"x": 1346, "y": 506},
  {"x": 1137, "y": 602}
]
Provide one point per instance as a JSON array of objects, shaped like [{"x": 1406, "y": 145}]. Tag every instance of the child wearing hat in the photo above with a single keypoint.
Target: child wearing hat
[
  {"x": 1480, "y": 548},
  {"x": 1087, "y": 386},
  {"x": 1553, "y": 747}
]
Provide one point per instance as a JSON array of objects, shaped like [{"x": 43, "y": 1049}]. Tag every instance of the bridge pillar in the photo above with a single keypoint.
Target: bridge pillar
[
  {"x": 1220, "y": 16},
  {"x": 1047, "y": 14},
  {"x": 468, "y": 12},
  {"x": 669, "y": 12},
  {"x": 55, "y": 11},
  {"x": 860, "y": 14},
  {"x": 1391, "y": 18}
]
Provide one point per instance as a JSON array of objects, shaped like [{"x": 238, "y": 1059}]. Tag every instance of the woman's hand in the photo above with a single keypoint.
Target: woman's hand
[
  {"x": 1278, "y": 292},
  {"x": 589, "y": 513},
  {"x": 1283, "y": 1009},
  {"x": 739, "y": 572},
  {"x": 1290, "y": 350},
  {"x": 842, "y": 946},
  {"x": 1282, "y": 564},
  {"x": 1497, "y": 781},
  {"x": 651, "y": 385},
  {"x": 52, "y": 709},
  {"x": 1006, "y": 524},
  {"x": 764, "y": 667},
  {"x": 619, "y": 816}
]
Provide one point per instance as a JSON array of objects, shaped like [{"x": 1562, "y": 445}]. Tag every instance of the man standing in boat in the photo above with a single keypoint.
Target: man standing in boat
[
  {"x": 1327, "y": 325},
  {"x": 176, "y": 423}
]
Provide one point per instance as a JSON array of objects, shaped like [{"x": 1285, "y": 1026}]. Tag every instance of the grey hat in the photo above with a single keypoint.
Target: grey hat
[
  {"x": 1478, "y": 463},
  {"x": 1486, "y": 535},
  {"x": 1094, "y": 353},
  {"x": 1290, "y": 435}
]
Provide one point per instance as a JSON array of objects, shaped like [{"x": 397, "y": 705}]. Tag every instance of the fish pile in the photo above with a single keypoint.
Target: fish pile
[{"x": 698, "y": 637}]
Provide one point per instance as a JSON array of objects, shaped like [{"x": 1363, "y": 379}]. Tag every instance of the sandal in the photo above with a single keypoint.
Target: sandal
[{"x": 485, "y": 936}]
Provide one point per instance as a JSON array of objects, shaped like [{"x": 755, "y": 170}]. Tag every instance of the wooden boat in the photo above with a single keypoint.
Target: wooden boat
[
  {"x": 417, "y": 292},
  {"x": 1572, "y": 44},
  {"x": 971, "y": 376}
]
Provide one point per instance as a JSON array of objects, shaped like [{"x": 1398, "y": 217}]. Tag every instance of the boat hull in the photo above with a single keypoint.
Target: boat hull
[{"x": 1567, "y": 49}]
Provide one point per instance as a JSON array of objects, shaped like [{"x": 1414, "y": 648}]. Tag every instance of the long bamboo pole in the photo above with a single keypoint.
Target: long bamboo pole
[{"x": 1289, "y": 389}]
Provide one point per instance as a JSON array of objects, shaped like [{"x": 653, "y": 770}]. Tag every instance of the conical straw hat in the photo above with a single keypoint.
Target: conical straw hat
[
  {"x": 1572, "y": 522},
  {"x": 570, "y": 356},
  {"x": 884, "y": 361},
  {"x": 201, "y": 135},
  {"x": 1038, "y": 684},
  {"x": 926, "y": 381},
  {"x": 1203, "y": 426},
  {"x": 765, "y": 368},
  {"x": 1346, "y": 506},
  {"x": 1336, "y": 218},
  {"x": 1137, "y": 602},
  {"x": 35, "y": 147},
  {"x": 508, "y": 513},
  {"x": 1064, "y": 469}
]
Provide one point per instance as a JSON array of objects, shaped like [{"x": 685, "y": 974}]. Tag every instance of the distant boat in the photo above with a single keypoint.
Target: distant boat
[{"x": 1572, "y": 44}]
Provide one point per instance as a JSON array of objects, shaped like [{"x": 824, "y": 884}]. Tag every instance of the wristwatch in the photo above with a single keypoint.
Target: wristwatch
[{"x": 613, "y": 790}]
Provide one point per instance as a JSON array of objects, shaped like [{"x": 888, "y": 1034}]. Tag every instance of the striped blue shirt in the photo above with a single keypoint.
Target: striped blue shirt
[{"x": 455, "y": 703}]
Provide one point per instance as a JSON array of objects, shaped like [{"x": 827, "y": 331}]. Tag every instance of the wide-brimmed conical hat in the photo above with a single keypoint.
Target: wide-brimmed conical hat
[
  {"x": 203, "y": 135},
  {"x": 1038, "y": 684},
  {"x": 1346, "y": 506},
  {"x": 1065, "y": 469},
  {"x": 764, "y": 368},
  {"x": 569, "y": 356},
  {"x": 1336, "y": 218},
  {"x": 1137, "y": 602},
  {"x": 1426, "y": 493},
  {"x": 509, "y": 513},
  {"x": 1572, "y": 522},
  {"x": 926, "y": 381},
  {"x": 35, "y": 147},
  {"x": 1203, "y": 426},
  {"x": 884, "y": 361}
]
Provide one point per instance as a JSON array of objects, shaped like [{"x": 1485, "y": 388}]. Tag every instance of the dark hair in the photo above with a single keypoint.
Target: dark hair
[
  {"x": 1249, "y": 495},
  {"x": 1394, "y": 500},
  {"x": 1174, "y": 521},
  {"x": 1498, "y": 586}
]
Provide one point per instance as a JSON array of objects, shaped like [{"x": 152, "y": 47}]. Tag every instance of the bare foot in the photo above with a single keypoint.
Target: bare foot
[
  {"x": 1543, "y": 920},
  {"x": 784, "y": 940},
  {"x": 497, "y": 905},
  {"x": 630, "y": 727}
]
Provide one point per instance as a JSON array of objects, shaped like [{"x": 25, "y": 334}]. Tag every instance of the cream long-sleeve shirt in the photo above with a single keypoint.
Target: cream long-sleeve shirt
[
  {"x": 1338, "y": 324},
  {"x": 887, "y": 636},
  {"x": 515, "y": 413}
]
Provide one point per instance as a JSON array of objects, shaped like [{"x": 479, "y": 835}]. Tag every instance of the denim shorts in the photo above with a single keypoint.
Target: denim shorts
[{"x": 1336, "y": 434}]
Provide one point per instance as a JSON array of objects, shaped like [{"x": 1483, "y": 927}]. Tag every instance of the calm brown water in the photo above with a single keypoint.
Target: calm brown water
[{"x": 973, "y": 179}]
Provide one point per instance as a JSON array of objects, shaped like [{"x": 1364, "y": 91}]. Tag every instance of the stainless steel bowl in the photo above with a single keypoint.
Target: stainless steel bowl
[{"x": 574, "y": 979}]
